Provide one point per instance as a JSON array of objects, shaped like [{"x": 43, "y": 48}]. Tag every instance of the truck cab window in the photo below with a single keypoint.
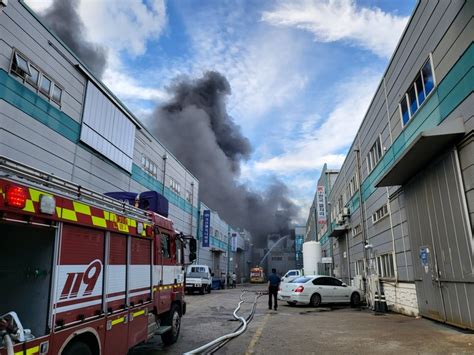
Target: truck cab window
[
  {"x": 179, "y": 252},
  {"x": 165, "y": 245}
]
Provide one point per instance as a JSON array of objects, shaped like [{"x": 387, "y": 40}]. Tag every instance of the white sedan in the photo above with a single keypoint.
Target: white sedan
[{"x": 318, "y": 289}]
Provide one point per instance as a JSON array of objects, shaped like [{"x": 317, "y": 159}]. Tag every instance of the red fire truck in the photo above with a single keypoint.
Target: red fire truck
[{"x": 82, "y": 273}]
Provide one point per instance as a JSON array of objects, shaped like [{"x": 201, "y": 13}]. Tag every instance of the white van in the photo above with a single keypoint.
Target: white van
[{"x": 198, "y": 278}]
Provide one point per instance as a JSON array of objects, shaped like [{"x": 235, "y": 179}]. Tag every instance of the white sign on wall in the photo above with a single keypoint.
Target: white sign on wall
[{"x": 321, "y": 205}]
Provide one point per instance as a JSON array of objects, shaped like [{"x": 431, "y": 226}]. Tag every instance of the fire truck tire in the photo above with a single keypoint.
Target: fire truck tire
[
  {"x": 173, "y": 319},
  {"x": 77, "y": 348}
]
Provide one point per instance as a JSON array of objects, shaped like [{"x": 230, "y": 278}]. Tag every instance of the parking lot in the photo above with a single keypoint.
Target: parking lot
[{"x": 307, "y": 330}]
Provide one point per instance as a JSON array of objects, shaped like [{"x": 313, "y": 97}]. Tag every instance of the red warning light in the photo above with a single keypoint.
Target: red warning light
[{"x": 16, "y": 196}]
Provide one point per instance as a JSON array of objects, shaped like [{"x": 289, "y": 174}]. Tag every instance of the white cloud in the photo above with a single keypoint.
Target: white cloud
[
  {"x": 336, "y": 20},
  {"x": 326, "y": 143},
  {"x": 123, "y": 25},
  {"x": 128, "y": 88},
  {"x": 263, "y": 64}
]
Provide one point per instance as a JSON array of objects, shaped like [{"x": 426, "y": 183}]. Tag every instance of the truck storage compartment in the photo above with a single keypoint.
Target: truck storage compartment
[{"x": 25, "y": 273}]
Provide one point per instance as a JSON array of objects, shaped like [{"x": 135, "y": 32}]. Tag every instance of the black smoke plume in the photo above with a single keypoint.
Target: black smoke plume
[
  {"x": 196, "y": 127},
  {"x": 63, "y": 19}
]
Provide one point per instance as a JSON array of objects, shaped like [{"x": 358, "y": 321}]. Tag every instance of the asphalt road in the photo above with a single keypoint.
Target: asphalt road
[{"x": 307, "y": 330}]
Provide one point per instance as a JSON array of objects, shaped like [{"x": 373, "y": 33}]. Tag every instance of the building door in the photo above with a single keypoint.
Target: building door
[{"x": 441, "y": 242}]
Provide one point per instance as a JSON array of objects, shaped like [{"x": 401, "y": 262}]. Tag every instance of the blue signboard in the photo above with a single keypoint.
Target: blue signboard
[{"x": 206, "y": 225}]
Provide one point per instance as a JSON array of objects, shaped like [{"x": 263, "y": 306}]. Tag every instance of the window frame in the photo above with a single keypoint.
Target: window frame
[
  {"x": 385, "y": 266},
  {"x": 382, "y": 215},
  {"x": 168, "y": 245},
  {"x": 413, "y": 84},
  {"x": 35, "y": 86},
  {"x": 371, "y": 163}
]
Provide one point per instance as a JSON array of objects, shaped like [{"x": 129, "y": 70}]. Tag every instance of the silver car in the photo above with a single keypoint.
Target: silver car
[{"x": 318, "y": 289}]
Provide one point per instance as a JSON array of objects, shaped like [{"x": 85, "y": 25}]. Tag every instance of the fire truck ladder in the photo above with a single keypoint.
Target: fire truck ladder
[{"x": 19, "y": 172}]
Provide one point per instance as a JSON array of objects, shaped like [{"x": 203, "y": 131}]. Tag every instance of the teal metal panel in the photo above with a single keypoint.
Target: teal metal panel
[{"x": 27, "y": 101}]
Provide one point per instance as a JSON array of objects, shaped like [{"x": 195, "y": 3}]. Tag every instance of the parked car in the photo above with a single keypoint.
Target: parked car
[
  {"x": 198, "y": 278},
  {"x": 291, "y": 275},
  {"x": 318, "y": 289}
]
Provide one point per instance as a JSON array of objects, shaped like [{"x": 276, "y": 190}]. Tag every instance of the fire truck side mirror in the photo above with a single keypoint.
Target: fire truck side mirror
[
  {"x": 192, "y": 257},
  {"x": 192, "y": 246}
]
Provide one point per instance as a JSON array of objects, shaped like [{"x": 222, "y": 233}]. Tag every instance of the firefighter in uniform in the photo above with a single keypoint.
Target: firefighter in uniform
[{"x": 273, "y": 285}]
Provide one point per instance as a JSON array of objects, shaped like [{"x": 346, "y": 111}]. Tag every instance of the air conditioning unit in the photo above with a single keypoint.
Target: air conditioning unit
[
  {"x": 3, "y": 3},
  {"x": 346, "y": 212},
  {"x": 340, "y": 219}
]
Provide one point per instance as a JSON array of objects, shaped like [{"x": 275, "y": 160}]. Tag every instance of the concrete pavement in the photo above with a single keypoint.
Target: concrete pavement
[{"x": 307, "y": 330}]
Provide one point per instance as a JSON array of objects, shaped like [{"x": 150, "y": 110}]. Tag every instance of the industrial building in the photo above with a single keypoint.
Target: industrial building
[
  {"x": 57, "y": 117},
  {"x": 401, "y": 210},
  {"x": 220, "y": 246}
]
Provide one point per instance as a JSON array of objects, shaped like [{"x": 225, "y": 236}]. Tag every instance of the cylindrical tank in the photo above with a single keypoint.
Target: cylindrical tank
[{"x": 311, "y": 257}]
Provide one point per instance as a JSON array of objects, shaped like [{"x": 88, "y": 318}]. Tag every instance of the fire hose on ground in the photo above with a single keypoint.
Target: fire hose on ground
[{"x": 216, "y": 344}]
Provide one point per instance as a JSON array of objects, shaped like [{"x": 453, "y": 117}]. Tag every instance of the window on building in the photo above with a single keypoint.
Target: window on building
[
  {"x": 45, "y": 85},
  {"x": 417, "y": 92},
  {"x": 380, "y": 213},
  {"x": 352, "y": 187},
  {"x": 189, "y": 196},
  {"x": 385, "y": 267},
  {"x": 149, "y": 166},
  {"x": 375, "y": 154},
  {"x": 356, "y": 230},
  {"x": 175, "y": 186},
  {"x": 359, "y": 267},
  {"x": 57, "y": 93},
  {"x": 20, "y": 65},
  {"x": 35, "y": 79}
]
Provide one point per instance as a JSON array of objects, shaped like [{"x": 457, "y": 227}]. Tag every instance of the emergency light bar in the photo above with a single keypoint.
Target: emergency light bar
[{"x": 16, "y": 196}]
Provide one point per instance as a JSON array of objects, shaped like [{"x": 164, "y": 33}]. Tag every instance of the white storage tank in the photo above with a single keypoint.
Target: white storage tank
[{"x": 311, "y": 257}]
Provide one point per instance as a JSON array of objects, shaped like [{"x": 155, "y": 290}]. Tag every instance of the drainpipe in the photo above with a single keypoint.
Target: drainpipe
[
  {"x": 328, "y": 218},
  {"x": 394, "y": 255},
  {"x": 165, "y": 157},
  {"x": 362, "y": 213}
]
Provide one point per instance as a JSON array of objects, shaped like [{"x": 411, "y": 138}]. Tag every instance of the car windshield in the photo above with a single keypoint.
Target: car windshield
[
  {"x": 301, "y": 280},
  {"x": 197, "y": 274}
]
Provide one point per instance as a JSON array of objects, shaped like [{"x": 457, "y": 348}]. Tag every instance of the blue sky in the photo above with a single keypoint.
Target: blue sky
[{"x": 302, "y": 72}]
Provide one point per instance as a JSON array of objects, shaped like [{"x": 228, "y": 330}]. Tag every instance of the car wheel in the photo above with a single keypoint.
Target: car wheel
[
  {"x": 173, "y": 319},
  {"x": 291, "y": 304},
  {"x": 355, "y": 299},
  {"x": 315, "y": 300}
]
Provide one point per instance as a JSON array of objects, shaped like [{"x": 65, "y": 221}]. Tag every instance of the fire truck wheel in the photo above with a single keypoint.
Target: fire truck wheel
[
  {"x": 77, "y": 348},
  {"x": 173, "y": 319}
]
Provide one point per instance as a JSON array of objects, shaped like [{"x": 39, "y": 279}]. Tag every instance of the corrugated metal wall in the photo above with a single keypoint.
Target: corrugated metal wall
[{"x": 442, "y": 242}]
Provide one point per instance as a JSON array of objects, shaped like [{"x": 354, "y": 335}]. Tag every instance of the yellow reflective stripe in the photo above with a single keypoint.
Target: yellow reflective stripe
[
  {"x": 35, "y": 195},
  {"x": 81, "y": 208},
  {"x": 106, "y": 215},
  {"x": 30, "y": 351},
  {"x": 139, "y": 313},
  {"x": 58, "y": 211},
  {"x": 118, "y": 321},
  {"x": 69, "y": 214},
  {"x": 99, "y": 222},
  {"x": 29, "y": 207},
  {"x": 33, "y": 350}
]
